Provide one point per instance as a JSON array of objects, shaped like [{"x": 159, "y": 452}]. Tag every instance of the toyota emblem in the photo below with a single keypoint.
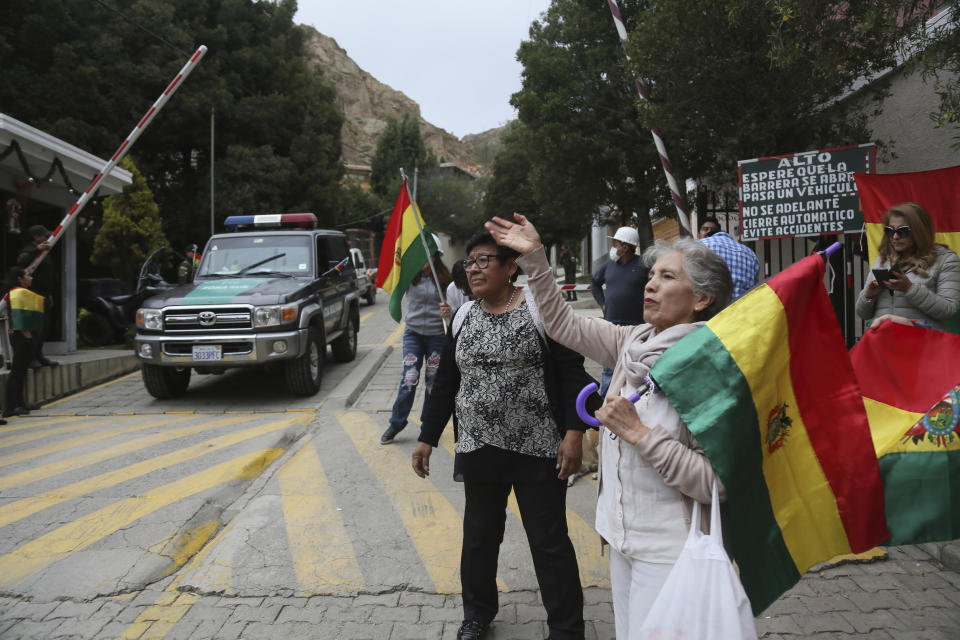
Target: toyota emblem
[{"x": 207, "y": 318}]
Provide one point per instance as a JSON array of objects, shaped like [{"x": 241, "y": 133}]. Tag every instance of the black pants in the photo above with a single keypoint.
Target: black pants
[
  {"x": 570, "y": 277},
  {"x": 23, "y": 352},
  {"x": 543, "y": 511}
]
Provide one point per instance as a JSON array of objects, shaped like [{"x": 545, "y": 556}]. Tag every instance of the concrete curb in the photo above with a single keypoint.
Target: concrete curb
[{"x": 350, "y": 388}]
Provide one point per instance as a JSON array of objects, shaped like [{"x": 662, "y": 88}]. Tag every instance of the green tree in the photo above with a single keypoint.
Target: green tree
[
  {"x": 510, "y": 188},
  {"x": 586, "y": 148},
  {"x": 361, "y": 208},
  {"x": 935, "y": 53},
  {"x": 452, "y": 204},
  {"x": 747, "y": 78},
  {"x": 131, "y": 229},
  {"x": 83, "y": 73},
  {"x": 399, "y": 145}
]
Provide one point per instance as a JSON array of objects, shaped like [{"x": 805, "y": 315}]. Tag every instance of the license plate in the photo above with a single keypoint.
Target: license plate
[{"x": 207, "y": 352}]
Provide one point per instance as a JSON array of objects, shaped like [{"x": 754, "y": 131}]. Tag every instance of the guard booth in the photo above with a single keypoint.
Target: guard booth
[{"x": 41, "y": 177}]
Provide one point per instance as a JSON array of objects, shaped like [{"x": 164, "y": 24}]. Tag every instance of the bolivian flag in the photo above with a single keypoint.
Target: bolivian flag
[
  {"x": 26, "y": 310},
  {"x": 937, "y": 191},
  {"x": 768, "y": 390},
  {"x": 910, "y": 378},
  {"x": 402, "y": 254}
]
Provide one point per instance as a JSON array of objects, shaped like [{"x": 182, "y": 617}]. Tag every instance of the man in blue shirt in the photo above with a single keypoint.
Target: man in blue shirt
[
  {"x": 742, "y": 262},
  {"x": 624, "y": 277}
]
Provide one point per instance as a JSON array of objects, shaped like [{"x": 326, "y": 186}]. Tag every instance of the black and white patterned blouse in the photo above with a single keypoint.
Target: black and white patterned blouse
[{"x": 502, "y": 401}]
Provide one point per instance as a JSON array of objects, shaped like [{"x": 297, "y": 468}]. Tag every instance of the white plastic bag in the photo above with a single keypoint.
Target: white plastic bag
[{"x": 702, "y": 598}]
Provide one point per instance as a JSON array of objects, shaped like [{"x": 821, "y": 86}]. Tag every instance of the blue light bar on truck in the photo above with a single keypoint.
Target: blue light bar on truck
[{"x": 271, "y": 221}]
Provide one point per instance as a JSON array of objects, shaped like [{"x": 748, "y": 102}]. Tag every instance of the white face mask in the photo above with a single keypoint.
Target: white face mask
[{"x": 613, "y": 254}]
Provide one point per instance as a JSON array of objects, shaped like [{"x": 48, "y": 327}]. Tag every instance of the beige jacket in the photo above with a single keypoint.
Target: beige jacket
[{"x": 679, "y": 461}]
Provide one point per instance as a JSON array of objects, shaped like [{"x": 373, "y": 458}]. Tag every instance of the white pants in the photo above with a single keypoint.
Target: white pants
[{"x": 635, "y": 586}]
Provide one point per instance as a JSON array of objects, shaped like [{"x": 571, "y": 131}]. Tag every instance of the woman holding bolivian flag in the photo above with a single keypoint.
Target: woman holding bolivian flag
[
  {"x": 26, "y": 318},
  {"x": 652, "y": 468}
]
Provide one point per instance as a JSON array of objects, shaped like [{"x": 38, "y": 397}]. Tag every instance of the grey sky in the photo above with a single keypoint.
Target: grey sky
[{"x": 455, "y": 58}]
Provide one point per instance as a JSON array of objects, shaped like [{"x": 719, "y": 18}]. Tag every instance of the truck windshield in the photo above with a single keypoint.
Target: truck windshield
[{"x": 234, "y": 255}]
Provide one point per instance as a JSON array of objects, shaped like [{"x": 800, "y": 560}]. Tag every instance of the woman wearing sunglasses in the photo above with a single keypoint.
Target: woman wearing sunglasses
[{"x": 913, "y": 277}]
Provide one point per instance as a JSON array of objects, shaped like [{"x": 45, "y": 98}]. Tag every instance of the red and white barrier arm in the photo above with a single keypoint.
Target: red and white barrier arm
[
  {"x": 87, "y": 195},
  {"x": 678, "y": 200}
]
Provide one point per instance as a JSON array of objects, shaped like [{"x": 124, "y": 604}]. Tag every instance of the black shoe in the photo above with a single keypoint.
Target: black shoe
[
  {"x": 472, "y": 630},
  {"x": 47, "y": 362},
  {"x": 2, "y": 422},
  {"x": 36, "y": 364},
  {"x": 16, "y": 411},
  {"x": 389, "y": 435},
  {"x": 32, "y": 407}
]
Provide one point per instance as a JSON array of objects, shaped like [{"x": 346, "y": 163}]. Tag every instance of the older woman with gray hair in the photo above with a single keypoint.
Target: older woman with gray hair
[{"x": 651, "y": 467}]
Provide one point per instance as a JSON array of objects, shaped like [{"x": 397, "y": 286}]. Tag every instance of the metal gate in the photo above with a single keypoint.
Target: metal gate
[{"x": 845, "y": 272}]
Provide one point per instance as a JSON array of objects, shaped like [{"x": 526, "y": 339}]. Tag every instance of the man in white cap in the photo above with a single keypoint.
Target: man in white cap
[{"x": 624, "y": 278}]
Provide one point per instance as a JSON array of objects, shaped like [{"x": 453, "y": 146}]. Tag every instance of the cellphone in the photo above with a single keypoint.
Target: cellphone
[{"x": 882, "y": 275}]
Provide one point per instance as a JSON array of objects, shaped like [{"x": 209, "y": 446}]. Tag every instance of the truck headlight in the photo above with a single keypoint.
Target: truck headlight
[
  {"x": 273, "y": 315},
  {"x": 151, "y": 319}
]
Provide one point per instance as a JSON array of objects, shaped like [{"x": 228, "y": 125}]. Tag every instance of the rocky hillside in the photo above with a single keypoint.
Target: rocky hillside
[{"x": 367, "y": 102}]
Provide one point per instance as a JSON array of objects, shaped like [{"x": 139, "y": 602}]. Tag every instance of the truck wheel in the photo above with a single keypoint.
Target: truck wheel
[
  {"x": 96, "y": 330},
  {"x": 165, "y": 382},
  {"x": 303, "y": 374},
  {"x": 345, "y": 347},
  {"x": 371, "y": 296}
]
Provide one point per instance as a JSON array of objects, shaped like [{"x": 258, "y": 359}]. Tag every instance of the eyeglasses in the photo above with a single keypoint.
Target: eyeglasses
[
  {"x": 900, "y": 232},
  {"x": 482, "y": 261}
]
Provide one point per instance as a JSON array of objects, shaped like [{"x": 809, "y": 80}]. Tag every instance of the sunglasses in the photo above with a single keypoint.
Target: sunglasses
[{"x": 900, "y": 232}]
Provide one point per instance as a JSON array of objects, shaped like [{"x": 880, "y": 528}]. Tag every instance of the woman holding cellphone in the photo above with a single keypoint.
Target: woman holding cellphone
[{"x": 913, "y": 277}]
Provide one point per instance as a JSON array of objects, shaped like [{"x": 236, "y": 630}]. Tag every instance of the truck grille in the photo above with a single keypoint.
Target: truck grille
[{"x": 206, "y": 320}]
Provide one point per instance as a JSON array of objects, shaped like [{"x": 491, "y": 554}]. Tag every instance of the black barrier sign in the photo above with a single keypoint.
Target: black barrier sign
[{"x": 803, "y": 194}]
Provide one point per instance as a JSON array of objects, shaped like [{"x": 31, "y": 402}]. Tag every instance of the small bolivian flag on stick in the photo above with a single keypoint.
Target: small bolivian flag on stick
[
  {"x": 402, "y": 255},
  {"x": 768, "y": 390}
]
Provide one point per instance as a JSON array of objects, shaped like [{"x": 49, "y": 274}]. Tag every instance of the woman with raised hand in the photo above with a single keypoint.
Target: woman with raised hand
[
  {"x": 652, "y": 469},
  {"x": 511, "y": 391},
  {"x": 919, "y": 279}
]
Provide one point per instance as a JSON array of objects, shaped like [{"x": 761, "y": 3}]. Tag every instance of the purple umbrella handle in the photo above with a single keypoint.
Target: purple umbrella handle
[
  {"x": 832, "y": 249},
  {"x": 585, "y": 393}
]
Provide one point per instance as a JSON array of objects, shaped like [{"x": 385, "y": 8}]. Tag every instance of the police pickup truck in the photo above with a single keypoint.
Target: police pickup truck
[{"x": 274, "y": 291}]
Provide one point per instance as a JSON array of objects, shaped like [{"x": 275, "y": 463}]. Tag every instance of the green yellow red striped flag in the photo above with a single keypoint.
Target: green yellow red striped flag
[
  {"x": 768, "y": 390},
  {"x": 938, "y": 191},
  {"x": 910, "y": 379},
  {"x": 402, "y": 255},
  {"x": 26, "y": 310}
]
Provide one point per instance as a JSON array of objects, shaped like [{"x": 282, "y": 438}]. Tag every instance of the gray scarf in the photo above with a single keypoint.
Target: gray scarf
[{"x": 646, "y": 347}]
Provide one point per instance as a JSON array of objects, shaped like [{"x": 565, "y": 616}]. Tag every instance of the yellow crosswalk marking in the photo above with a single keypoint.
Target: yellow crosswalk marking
[
  {"x": 366, "y": 317},
  {"x": 394, "y": 338},
  {"x": 432, "y": 523},
  {"x": 310, "y": 513},
  {"x": 75, "y": 424},
  {"x": 69, "y": 443},
  {"x": 24, "y": 507},
  {"x": 158, "y": 620},
  {"x": 37, "y": 423},
  {"x": 76, "y": 462},
  {"x": 79, "y": 534}
]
